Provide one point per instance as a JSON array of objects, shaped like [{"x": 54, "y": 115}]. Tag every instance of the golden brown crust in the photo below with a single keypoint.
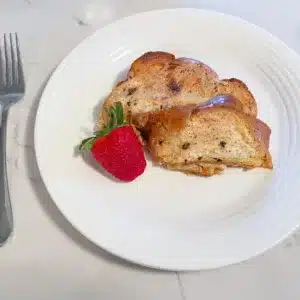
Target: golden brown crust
[
  {"x": 150, "y": 62},
  {"x": 238, "y": 89},
  {"x": 170, "y": 100},
  {"x": 178, "y": 114},
  {"x": 157, "y": 80},
  {"x": 205, "y": 140}
]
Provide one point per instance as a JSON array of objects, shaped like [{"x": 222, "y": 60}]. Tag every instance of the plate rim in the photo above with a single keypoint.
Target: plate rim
[{"x": 61, "y": 65}]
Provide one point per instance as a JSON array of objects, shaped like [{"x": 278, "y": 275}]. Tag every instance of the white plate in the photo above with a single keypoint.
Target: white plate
[{"x": 166, "y": 219}]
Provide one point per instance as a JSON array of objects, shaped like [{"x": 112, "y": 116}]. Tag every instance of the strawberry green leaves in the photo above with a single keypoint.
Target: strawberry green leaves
[
  {"x": 87, "y": 144},
  {"x": 116, "y": 116},
  {"x": 115, "y": 120},
  {"x": 116, "y": 147}
]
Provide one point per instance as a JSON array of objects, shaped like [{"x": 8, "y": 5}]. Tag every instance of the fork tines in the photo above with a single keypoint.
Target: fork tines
[{"x": 11, "y": 70}]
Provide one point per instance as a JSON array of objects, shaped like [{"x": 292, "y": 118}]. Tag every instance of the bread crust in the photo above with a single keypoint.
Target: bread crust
[
  {"x": 162, "y": 94},
  {"x": 157, "y": 80},
  {"x": 205, "y": 140}
]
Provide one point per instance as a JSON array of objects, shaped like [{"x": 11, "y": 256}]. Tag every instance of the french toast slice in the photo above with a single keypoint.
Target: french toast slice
[
  {"x": 158, "y": 80},
  {"x": 205, "y": 139}
]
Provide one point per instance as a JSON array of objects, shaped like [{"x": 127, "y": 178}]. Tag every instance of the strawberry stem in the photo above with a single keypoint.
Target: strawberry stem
[{"x": 115, "y": 120}]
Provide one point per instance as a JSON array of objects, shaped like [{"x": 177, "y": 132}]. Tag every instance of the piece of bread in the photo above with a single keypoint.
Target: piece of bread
[
  {"x": 204, "y": 139},
  {"x": 157, "y": 80}
]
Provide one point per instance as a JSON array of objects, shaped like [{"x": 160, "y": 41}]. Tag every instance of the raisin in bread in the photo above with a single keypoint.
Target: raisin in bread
[
  {"x": 204, "y": 139},
  {"x": 158, "y": 80}
]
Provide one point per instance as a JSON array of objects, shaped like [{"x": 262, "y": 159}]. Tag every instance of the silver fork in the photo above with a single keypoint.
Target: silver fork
[{"x": 12, "y": 89}]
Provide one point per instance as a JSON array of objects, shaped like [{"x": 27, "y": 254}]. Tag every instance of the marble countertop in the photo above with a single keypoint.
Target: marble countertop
[{"x": 46, "y": 258}]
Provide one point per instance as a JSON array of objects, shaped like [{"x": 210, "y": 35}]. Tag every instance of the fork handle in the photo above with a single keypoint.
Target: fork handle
[{"x": 6, "y": 219}]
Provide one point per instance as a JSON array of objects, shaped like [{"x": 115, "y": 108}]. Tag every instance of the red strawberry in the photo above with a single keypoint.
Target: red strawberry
[{"x": 117, "y": 147}]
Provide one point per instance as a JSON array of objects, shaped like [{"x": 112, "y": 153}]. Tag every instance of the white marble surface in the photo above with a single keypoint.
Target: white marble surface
[{"x": 47, "y": 258}]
